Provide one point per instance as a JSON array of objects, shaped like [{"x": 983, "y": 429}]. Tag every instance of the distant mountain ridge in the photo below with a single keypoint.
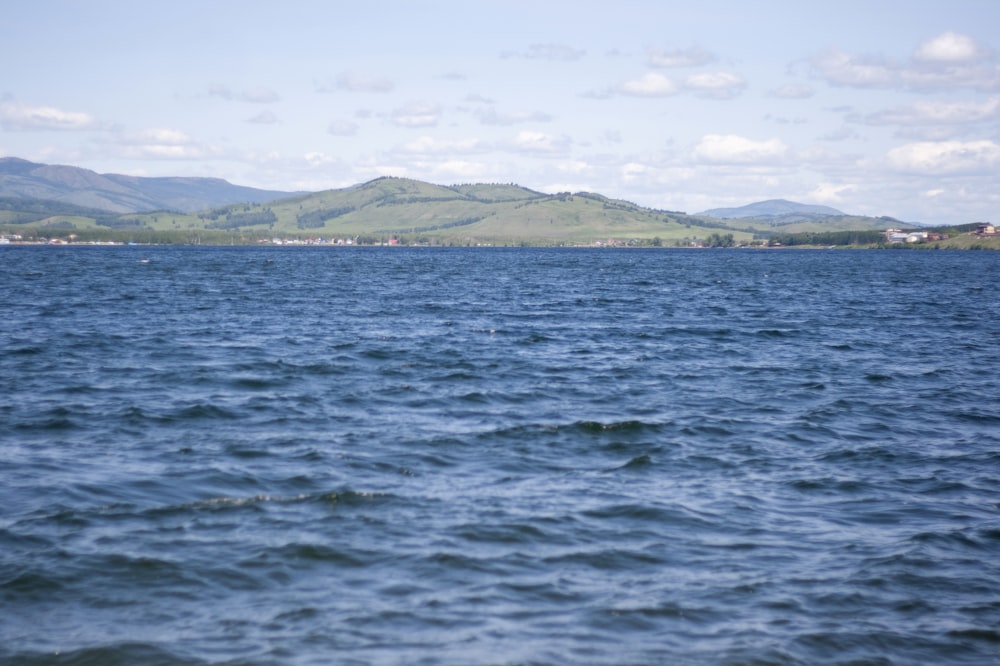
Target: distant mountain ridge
[
  {"x": 771, "y": 208},
  {"x": 43, "y": 199},
  {"x": 116, "y": 193}
]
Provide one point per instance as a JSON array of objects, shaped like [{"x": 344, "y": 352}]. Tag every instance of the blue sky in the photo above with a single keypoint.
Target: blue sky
[{"x": 878, "y": 107}]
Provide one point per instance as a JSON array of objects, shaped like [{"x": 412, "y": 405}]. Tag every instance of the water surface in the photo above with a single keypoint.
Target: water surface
[{"x": 498, "y": 456}]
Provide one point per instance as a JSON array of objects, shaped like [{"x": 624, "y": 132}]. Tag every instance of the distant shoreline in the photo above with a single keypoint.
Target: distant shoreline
[{"x": 982, "y": 244}]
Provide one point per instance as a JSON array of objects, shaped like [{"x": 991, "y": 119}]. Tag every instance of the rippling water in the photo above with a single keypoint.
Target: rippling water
[{"x": 487, "y": 456}]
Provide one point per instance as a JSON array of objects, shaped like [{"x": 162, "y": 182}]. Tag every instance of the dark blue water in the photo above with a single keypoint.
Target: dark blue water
[{"x": 486, "y": 456}]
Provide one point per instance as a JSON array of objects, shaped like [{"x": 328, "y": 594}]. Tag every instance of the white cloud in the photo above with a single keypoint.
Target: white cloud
[
  {"x": 712, "y": 85},
  {"x": 260, "y": 96},
  {"x": 163, "y": 144},
  {"x": 950, "y": 47},
  {"x": 655, "y": 179},
  {"x": 158, "y": 136},
  {"x": 164, "y": 152},
  {"x": 18, "y": 117},
  {"x": 948, "y": 61},
  {"x": 633, "y": 170},
  {"x": 476, "y": 98},
  {"x": 733, "y": 149},
  {"x": 931, "y": 132},
  {"x": 784, "y": 120},
  {"x": 692, "y": 57},
  {"x": 983, "y": 76},
  {"x": 342, "y": 128},
  {"x": 319, "y": 159},
  {"x": 938, "y": 113},
  {"x": 264, "y": 118},
  {"x": 715, "y": 85},
  {"x": 651, "y": 84},
  {"x": 945, "y": 157},
  {"x": 219, "y": 90},
  {"x": 575, "y": 167},
  {"x": 830, "y": 192},
  {"x": 417, "y": 114},
  {"x": 540, "y": 142},
  {"x": 842, "y": 69}
]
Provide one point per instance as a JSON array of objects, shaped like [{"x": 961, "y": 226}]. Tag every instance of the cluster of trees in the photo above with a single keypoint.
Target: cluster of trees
[
  {"x": 216, "y": 213},
  {"x": 829, "y": 238},
  {"x": 236, "y": 220},
  {"x": 627, "y": 208},
  {"x": 444, "y": 225},
  {"x": 318, "y": 218},
  {"x": 142, "y": 235},
  {"x": 396, "y": 200},
  {"x": 719, "y": 240},
  {"x": 24, "y": 218},
  {"x": 708, "y": 224},
  {"x": 26, "y": 211},
  {"x": 510, "y": 192},
  {"x": 121, "y": 223}
]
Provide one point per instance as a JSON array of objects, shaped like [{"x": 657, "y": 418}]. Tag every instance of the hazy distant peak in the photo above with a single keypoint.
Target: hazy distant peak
[
  {"x": 119, "y": 193},
  {"x": 771, "y": 207}
]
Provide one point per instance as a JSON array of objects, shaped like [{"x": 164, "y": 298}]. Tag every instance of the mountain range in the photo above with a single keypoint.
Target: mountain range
[
  {"x": 771, "y": 208},
  {"x": 121, "y": 194},
  {"x": 56, "y": 199}
]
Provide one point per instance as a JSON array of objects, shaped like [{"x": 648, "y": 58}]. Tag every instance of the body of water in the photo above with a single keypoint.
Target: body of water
[{"x": 498, "y": 456}]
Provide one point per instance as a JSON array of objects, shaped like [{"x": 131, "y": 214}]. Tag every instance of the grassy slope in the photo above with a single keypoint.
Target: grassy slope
[
  {"x": 419, "y": 211},
  {"x": 464, "y": 213},
  {"x": 968, "y": 242},
  {"x": 816, "y": 225}
]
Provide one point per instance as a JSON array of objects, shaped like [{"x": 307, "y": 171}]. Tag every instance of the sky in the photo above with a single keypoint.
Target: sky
[{"x": 881, "y": 107}]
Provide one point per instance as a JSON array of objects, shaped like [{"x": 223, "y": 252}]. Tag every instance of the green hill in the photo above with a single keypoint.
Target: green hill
[
  {"x": 417, "y": 212},
  {"x": 409, "y": 211}
]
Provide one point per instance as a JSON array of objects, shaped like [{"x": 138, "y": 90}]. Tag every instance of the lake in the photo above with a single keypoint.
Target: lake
[{"x": 499, "y": 456}]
